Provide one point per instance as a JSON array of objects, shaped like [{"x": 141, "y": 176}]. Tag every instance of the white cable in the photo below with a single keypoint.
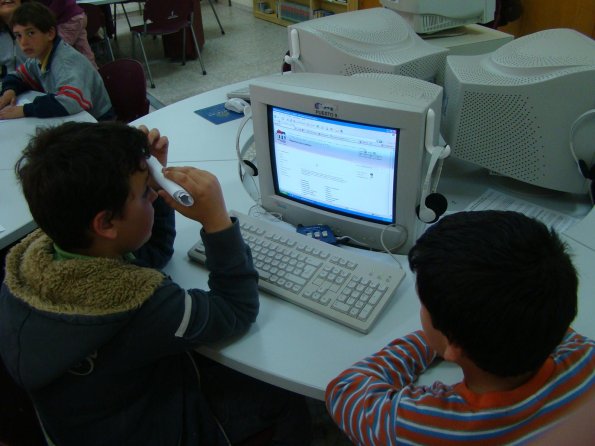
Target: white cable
[
  {"x": 438, "y": 173},
  {"x": 390, "y": 251}
]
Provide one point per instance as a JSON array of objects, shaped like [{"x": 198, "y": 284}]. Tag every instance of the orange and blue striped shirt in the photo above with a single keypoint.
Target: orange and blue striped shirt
[{"x": 375, "y": 402}]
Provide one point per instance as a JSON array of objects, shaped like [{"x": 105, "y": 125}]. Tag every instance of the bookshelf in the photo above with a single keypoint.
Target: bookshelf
[{"x": 286, "y": 12}]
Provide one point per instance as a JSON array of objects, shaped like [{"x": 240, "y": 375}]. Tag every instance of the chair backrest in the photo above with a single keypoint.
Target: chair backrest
[
  {"x": 95, "y": 19},
  {"x": 126, "y": 85},
  {"x": 173, "y": 14}
]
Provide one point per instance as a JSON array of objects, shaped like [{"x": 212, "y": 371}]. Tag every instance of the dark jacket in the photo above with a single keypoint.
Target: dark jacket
[{"x": 101, "y": 344}]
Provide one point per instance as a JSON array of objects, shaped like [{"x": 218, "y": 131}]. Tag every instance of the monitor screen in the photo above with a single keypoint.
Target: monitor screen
[{"x": 344, "y": 167}]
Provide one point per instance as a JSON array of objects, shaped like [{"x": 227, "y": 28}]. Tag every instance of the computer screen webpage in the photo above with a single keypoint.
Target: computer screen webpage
[{"x": 343, "y": 167}]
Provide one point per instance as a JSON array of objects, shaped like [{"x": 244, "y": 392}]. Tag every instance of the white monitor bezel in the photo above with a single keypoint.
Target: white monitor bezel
[{"x": 365, "y": 103}]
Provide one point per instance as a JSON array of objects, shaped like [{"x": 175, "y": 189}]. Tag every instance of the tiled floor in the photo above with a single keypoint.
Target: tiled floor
[{"x": 249, "y": 48}]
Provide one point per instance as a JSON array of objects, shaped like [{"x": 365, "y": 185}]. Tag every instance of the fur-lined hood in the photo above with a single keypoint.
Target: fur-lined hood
[
  {"x": 63, "y": 311},
  {"x": 86, "y": 287}
]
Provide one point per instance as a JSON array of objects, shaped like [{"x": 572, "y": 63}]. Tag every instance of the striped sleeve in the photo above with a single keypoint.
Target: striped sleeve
[{"x": 363, "y": 400}]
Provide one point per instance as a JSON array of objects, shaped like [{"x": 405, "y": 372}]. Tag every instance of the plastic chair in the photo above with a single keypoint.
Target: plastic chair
[
  {"x": 125, "y": 83},
  {"x": 167, "y": 17},
  {"x": 95, "y": 21}
]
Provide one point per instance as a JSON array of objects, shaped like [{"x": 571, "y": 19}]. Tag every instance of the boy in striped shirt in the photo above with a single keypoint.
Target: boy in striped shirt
[
  {"x": 70, "y": 83},
  {"x": 498, "y": 292}
]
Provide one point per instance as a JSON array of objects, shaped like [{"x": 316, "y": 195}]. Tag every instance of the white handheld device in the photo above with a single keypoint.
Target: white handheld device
[{"x": 175, "y": 190}]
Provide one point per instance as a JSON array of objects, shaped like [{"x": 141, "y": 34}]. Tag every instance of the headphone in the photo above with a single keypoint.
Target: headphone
[
  {"x": 294, "y": 51},
  {"x": 245, "y": 166},
  {"x": 432, "y": 204},
  {"x": 588, "y": 172}
]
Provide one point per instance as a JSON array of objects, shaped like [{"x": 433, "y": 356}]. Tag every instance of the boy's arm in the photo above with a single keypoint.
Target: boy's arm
[
  {"x": 363, "y": 399},
  {"x": 23, "y": 79},
  {"x": 14, "y": 84},
  {"x": 180, "y": 320},
  {"x": 157, "y": 251},
  {"x": 46, "y": 106},
  {"x": 71, "y": 95},
  {"x": 232, "y": 303}
]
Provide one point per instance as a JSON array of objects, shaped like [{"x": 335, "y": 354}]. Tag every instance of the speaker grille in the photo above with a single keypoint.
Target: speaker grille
[
  {"x": 425, "y": 68},
  {"x": 509, "y": 145},
  {"x": 405, "y": 86},
  {"x": 351, "y": 69}
]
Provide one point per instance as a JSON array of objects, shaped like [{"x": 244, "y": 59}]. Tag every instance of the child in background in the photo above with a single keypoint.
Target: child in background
[
  {"x": 102, "y": 340},
  {"x": 10, "y": 53},
  {"x": 498, "y": 293},
  {"x": 70, "y": 82},
  {"x": 72, "y": 25}
]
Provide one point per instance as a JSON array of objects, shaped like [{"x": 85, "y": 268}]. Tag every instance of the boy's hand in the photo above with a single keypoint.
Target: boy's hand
[
  {"x": 8, "y": 98},
  {"x": 158, "y": 146},
  {"x": 12, "y": 112},
  {"x": 209, "y": 205}
]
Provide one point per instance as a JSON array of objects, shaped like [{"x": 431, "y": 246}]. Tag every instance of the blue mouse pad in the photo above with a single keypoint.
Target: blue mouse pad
[{"x": 218, "y": 114}]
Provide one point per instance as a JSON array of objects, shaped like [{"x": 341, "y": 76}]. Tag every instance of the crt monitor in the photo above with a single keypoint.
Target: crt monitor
[
  {"x": 430, "y": 16},
  {"x": 526, "y": 110},
  {"x": 374, "y": 40},
  {"x": 347, "y": 152}
]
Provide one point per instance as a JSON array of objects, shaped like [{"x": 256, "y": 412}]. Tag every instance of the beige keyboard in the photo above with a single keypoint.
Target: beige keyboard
[{"x": 337, "y": 283}]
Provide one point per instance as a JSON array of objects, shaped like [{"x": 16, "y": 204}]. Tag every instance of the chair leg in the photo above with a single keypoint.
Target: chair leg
[
  {"x": 197, "y": 49},
  {"x": 216, "y": 16},
  {"x": 142, "y": 48},
  {"x": 114, "y": 21},
  {"x": 108, "y": 44},
  {"x": 183, "y": 46},
  {"x": 125, "y": 14}
]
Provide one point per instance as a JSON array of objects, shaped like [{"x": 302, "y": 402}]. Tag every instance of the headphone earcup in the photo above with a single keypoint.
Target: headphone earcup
[{"x": 435, "y": 205}]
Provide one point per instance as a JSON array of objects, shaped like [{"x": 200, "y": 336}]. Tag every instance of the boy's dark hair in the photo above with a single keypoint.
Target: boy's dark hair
[
  {"x": 498, "y": 284},
  {"x": 71, "y": 172},
  {"x": 36, "y": 14}
]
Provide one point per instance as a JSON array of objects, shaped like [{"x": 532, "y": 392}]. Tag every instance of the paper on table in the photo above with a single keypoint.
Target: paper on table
[{"x": 494, "y": 200}]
